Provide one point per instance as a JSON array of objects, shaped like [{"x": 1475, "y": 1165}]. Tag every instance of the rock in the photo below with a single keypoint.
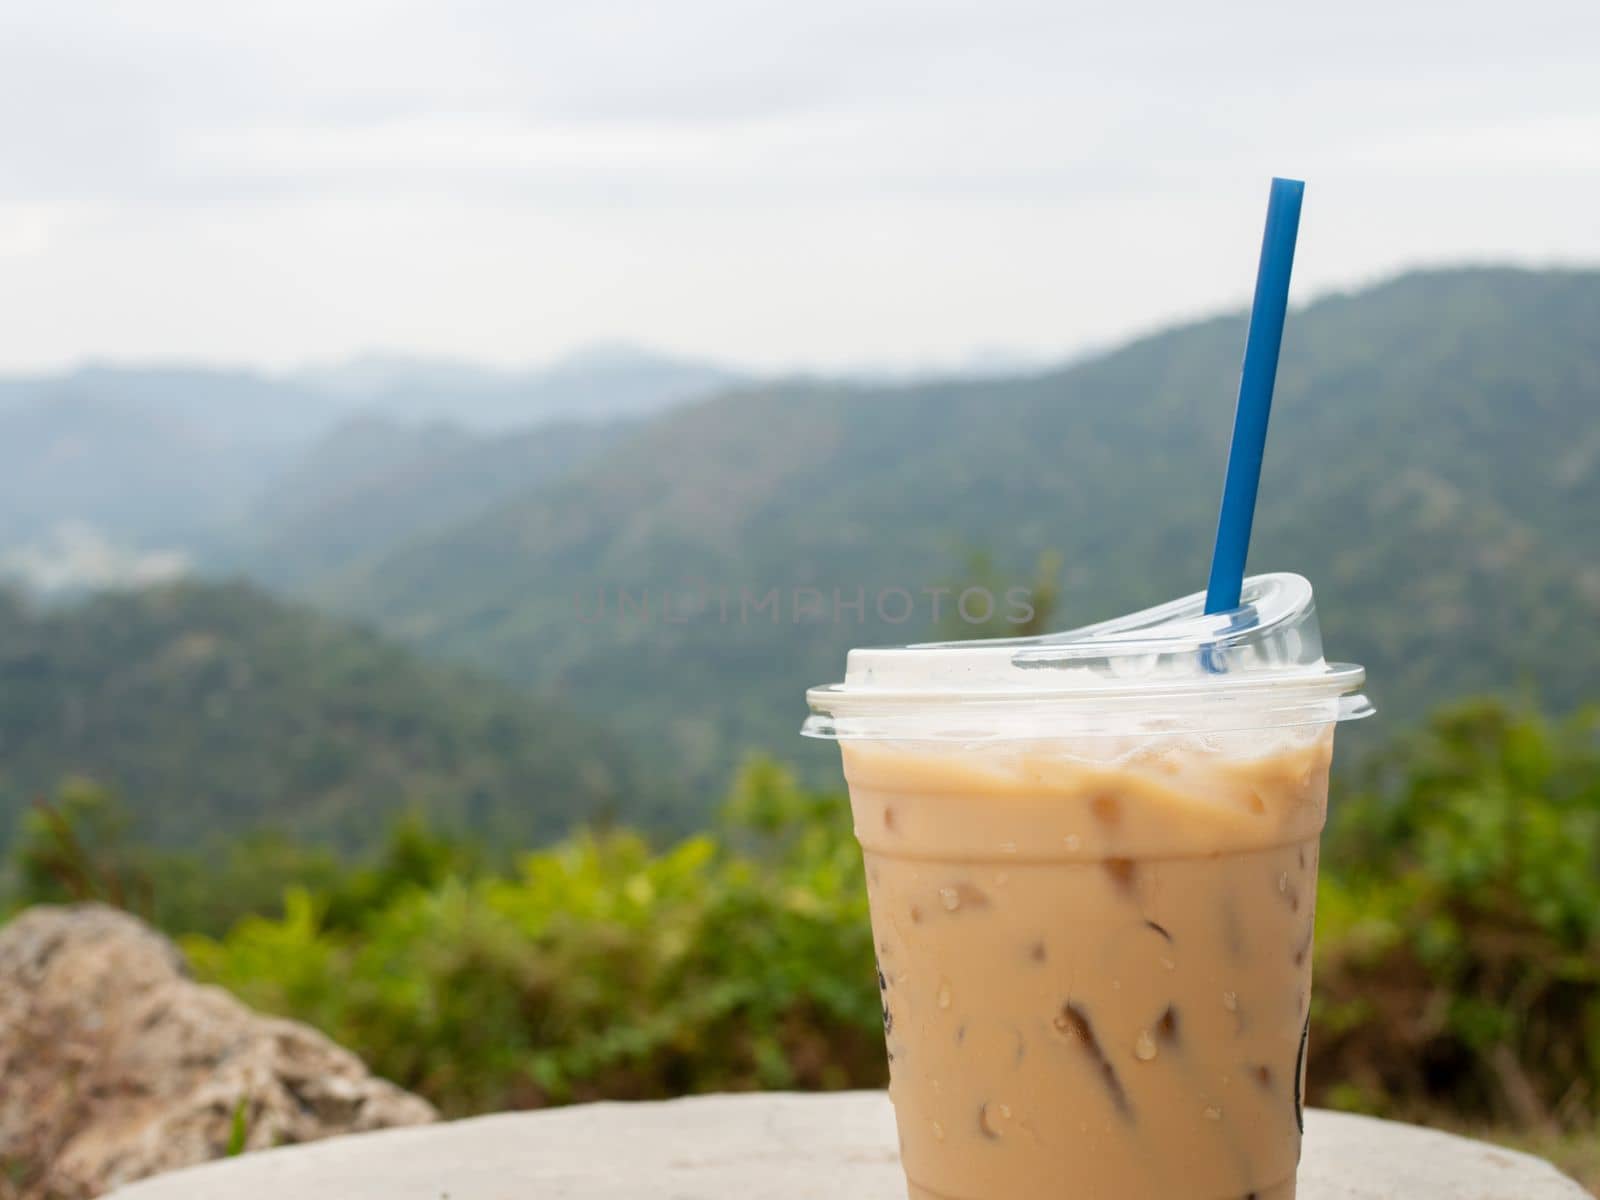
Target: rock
[
  {"x": 114, "y": 1065},
  {"x": 777, "y": 1147}
]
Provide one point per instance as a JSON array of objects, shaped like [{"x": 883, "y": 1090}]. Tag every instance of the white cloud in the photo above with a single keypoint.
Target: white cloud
[
  {"x": 25, "y": 229},
  {"x": 1559, "y": 142},
  {"x": 470, "y": 142}
]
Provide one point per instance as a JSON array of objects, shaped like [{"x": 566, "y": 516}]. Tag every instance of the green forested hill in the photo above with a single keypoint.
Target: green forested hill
[
  {"x": 215, "y": 709},
  {"x": 1434, "y": 468}
]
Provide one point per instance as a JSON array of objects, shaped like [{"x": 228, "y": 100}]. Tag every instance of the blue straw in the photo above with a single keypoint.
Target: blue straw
[{"x": 1255, "y": 396}]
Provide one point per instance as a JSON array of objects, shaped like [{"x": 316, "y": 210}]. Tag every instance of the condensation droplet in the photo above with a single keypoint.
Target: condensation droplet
[
  {"x": 1005, "y": 1111},
  {"x": 1283, "y": 882},
  {"x": 1073, "y": 841},
  {"x": 938, "y": 1132},
  {"x": 950, "y": 897},
  {"x": 944, "y": 994},
  {"x": 1230, "y": 1001},
  {"x": 1144, "y": 1047},
  {"x": 1116, "y": 985},
  {"x": 1213, "y": 1113},
  {"x": 1169, "y": 964},
  {"x": 1008, "y": 847}
]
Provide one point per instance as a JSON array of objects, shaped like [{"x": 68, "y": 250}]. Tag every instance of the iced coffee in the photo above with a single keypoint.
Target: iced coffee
[{"x": 1092, "y": 862}]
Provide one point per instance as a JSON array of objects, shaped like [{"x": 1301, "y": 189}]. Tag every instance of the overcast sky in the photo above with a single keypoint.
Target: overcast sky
[{"x": 811, "y": 183}]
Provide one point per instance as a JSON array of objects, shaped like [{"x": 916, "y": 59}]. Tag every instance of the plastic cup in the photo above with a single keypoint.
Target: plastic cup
[{"x": 1092, "y": 863}]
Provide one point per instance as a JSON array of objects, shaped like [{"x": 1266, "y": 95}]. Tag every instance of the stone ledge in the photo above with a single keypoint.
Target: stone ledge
[{"x": 775, "y": 1147}]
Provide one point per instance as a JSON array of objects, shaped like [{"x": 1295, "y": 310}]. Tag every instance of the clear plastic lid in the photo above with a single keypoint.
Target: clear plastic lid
[{"x": 1173, "y": 668}]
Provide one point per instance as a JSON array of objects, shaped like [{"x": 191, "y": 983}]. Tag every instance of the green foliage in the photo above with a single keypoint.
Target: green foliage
[
  {"x": 75, "y": 849},
  {"x": 597, "y": 967},
  {"x": 221, "y": 711},
  {"x": 1458, "y": 941},
  {"x": 1460, "y": 926},
  {"x": 208, "y": 892},
  {"x": 238, "y": 1130}
]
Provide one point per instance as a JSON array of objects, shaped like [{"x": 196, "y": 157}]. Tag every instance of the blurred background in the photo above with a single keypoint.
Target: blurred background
[{"x": 439, "y": 443}]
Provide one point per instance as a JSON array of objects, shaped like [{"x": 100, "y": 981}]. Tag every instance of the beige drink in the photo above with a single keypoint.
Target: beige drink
[
  {"x": 1094, "y": 945},
  {"x": 1095, "y": 977}
]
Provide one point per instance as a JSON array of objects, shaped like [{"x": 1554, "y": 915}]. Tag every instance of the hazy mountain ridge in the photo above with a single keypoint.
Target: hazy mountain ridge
[
  {"x": 598, "y": 382},
  {"x": 135, "y": 471},
  {"x": 185, "y": 461},
  {"x": 374, "y": 483},
  {"x": 1434, "y": 469},
  {"x": 1432, "y": 461}
]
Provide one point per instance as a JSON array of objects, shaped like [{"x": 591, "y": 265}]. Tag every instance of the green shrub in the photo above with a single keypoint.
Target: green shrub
[
  {"x": 1458, "y": 940},
  {"x": 598, "y": 967},
  {"x": 1459, "y": 923}
]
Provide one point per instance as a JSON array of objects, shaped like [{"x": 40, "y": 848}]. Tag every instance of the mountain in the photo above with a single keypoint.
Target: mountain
[
  {"x": 373, "y": 482},
  {"x": 136, "y": 468},
  {"x": 182, "y": 461},
  {"x": 1434, "y": 469},
  {"x": 215, "y": 709},
  {"x": 229, "y": 405},
  {"x": 104, "y": 470},
  {"x": 595, "y": 383}
]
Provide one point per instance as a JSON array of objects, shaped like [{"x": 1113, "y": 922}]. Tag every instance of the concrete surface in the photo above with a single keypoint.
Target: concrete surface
[{"x": 774, "y": 1147}]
